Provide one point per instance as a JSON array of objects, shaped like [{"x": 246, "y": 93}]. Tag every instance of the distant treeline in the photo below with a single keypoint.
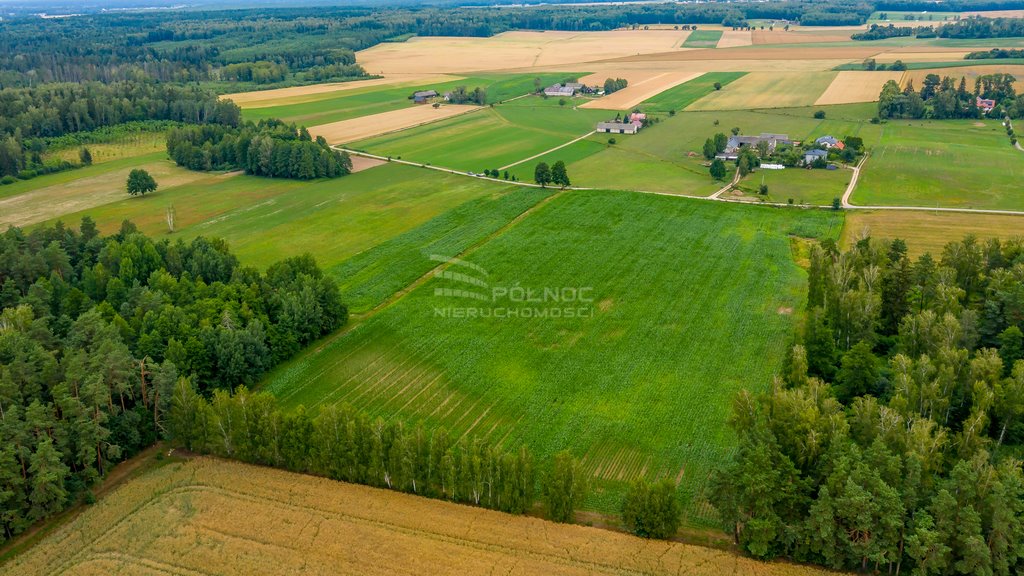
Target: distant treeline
[
  {"x": 311, "y": 44},
  {"x": 95, "y": 331},
  {"x": 270, "y": 148},
  {"x": 995, "y": 53},
  {"x": 965, "y": 28}
]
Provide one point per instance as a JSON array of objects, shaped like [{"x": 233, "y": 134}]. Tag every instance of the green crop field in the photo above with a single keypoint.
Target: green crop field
[
  {"x": 947, "y": 163},
  {"x": 374, "y": 100},
  {"x": 703, "y": 39},
  {"x": 489, "y": 139},
  {"x": 683, "y": 303},
  {"x": 681, "y": 96},
  {"x": 266, "y": 219}
]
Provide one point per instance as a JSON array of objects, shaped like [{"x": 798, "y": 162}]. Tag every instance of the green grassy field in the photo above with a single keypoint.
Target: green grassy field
[
  {"x": 813, "y": 187},
  {"x": 681, "y": 96},
  {"x": 489, "y": 139},
  {"x": 948, "y": 163},
  {"x": 703, "y": 39},
  {"x": 374, "y": 100},
  {"x": 685, "y": 303},
  {"x": 267, "y": 219}
]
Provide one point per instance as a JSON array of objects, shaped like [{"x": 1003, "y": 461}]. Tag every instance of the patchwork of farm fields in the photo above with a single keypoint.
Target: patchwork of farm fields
[
  {"x": 206, "y": 516},
  {"x": 488, "y": 139},
  {"x": 947, "y": 163},
  {"x": 686, "y": 302}
]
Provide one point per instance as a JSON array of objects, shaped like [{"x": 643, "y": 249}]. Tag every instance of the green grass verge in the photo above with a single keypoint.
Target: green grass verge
[
  {"x": 703, "y": 39},
  {"x": 947, "y": 64},
  {"x": 688, "y": 301}
]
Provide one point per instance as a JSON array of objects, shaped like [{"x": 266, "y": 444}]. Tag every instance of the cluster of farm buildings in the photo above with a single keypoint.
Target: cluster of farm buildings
[
  {"x": 630, "y": 125},
  {"x": 770, "y": 141}
]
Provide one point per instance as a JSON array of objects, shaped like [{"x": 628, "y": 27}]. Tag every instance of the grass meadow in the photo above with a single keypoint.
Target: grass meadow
[
  {"x": 813, "y": 187},
  {"x": 687, "y": 302},
  {"x": 492, "y": 138},
  {"x": 943, "y": 163},
  {"x": 267, "y": 219},
  {"x": 681, "y": 96},
  {"x": 703, "y": 39},
  {"x": 375, "y": 99}
]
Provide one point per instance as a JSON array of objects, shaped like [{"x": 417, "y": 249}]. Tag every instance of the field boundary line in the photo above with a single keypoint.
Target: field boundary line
[{"x": 559, "y": 147}]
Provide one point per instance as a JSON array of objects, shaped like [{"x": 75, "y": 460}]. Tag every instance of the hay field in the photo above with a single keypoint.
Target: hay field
[
  {"x": 703, "y": 38},
  {"x": 93, "y": 188},
  {"x": 828, "y": 55},
  {"x": 855, "y": 86},
  {"x": 300, "y": 94},
  {"x": 780, "y": 36},
  {"x": 514, "y": 50},
  {"x": 968, "y": 72},
  {"x": 928, "y": 231},
  {"x": 768, "y": 90},
  {"x": 920, "y": 54},
  {"x": 734, "y": 38},
  {"x": 385, "y": 122},
  {"x": 207, "y": 516},
  {"x": 641, "y": 91}
]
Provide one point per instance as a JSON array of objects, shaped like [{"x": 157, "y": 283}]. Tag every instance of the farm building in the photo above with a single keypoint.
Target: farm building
[
  {"x": 423, "y": 96},
  {"x": 830, "y": 142},
  {"x": 735, "y": 143},
  {"x": 812, "y": 156},
  {"x": 618, "y": 127},
  {"x": 985, "y": 104},
  {"x": 568, "y": 89},
  {"x": 637, "y": 117}
]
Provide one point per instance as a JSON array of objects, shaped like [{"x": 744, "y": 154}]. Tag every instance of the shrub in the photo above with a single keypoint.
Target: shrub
[
  {"x": 611, "y": 141},
  {"x": 27, "y": 174},
  {"x": 652, "y": 511},
  {"x": 763, "y": 189},
  {"x": 8, "y": 180},
  {"x": 820, "y": 114}
]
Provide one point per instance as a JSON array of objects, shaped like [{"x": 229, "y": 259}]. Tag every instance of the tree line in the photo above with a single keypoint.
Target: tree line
[
  {"x": 890, "y": 443},
  {"x": 944, "y": 98},
  {"x": 96, "y": 330},
  {"x": 964, "y": 28},
  {"x": 269, "y": 148}
]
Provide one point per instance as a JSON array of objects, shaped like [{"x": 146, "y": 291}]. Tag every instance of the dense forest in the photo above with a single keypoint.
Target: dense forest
[
  {"x": 891, "y": 442},
  {"x": 95, "y": 331},
  {"x": 270, "y": 148},
  {"x": 944, "y": 98}
]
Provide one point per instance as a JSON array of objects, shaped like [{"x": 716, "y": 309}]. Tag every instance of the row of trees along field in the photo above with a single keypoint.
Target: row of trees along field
[
  {"x": 892, "y": 442},
  {"x": 95, "y": 331},
  {"x": 945, "y": 98},
  {"x": 32, "y": 119},
  {"x": 965, "y": 28},
  {"x": 269, "y": 148}
]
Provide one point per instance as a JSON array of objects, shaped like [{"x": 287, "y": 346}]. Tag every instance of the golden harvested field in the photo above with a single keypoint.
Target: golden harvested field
[
  {"x": 928, "y": 231},
  {"x": 49, "y": 202},
  {"x": 734, "y": 38},
  {"x": 997, "y": 14},
  {"x": 360, "y": 163},
  {"x": 768, "y": 90},
  {"x": 854, "y": 86},
  {"x": 780, "y": 36},
  {"x": 208, "y": 516},
  {"x": 919, "y": 54},
  {"x": 640, "y": 90},
  {"x": 313, "y": 92},
  {"x": 833, "y": 54},
  {"x": 968, "y": 72},
  {"x": 514, "y": 50},
  {"x": 377, "y": 124}
]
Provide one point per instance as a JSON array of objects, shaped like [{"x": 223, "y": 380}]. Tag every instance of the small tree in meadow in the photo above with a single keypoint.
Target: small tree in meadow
[
  {"x": 559, "y": 175},
  {"x": 85, "y": 156},
  {"x": 140, "y": 182},
  {"x": 542, "y": 173},
  {"x": 819, "y": 114},
  {"x": 717, "y": 169},
  {"x": 718, "y": 85}
]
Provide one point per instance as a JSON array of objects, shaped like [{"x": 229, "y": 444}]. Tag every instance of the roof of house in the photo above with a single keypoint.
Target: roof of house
[
  {"x": 574, "y": 85},
  {"x": 816, "y": 153},
  {"x": 830, "y": 140},
  {"x": 772, "y": 139},
  {"x": 558, "y": 90},
  {"x": 616, "y": 126},
  {"x": 424, "y": 94}
]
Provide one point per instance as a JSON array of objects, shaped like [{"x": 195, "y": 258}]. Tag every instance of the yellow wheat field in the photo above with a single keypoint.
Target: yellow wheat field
[
  {"x": 928, "y": 231},
  {"x": 208, "y": 516},
  {"x": 300, "y": 94},
  {"x": 734, "y": 38},
  {"x": 768, "y": 90},
  {"x": 514, "y": 50},
  {"x": 377, "y": 124},
  {"x": 855, "y": 86},
  {"x": 640, "y": 90}
]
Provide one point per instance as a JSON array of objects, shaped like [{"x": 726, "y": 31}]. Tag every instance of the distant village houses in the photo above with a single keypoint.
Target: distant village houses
[
  {"x": 985, "y": 105},
  {"x": 736, "y": 143}
]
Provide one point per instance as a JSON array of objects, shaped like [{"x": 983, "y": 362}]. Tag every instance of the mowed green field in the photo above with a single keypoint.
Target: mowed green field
[
  {"x": 946, "y": 163},
  {"x": 376, "y": 99},
  {"x": 266, "y": 219},
  {"x": 703, "y": 39},
  {"x": 813, "y": 187},
  {"x": 683, "y": 304},
  {"x": 681, "y": 96},
  {"x": 489, "y": 139}
]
